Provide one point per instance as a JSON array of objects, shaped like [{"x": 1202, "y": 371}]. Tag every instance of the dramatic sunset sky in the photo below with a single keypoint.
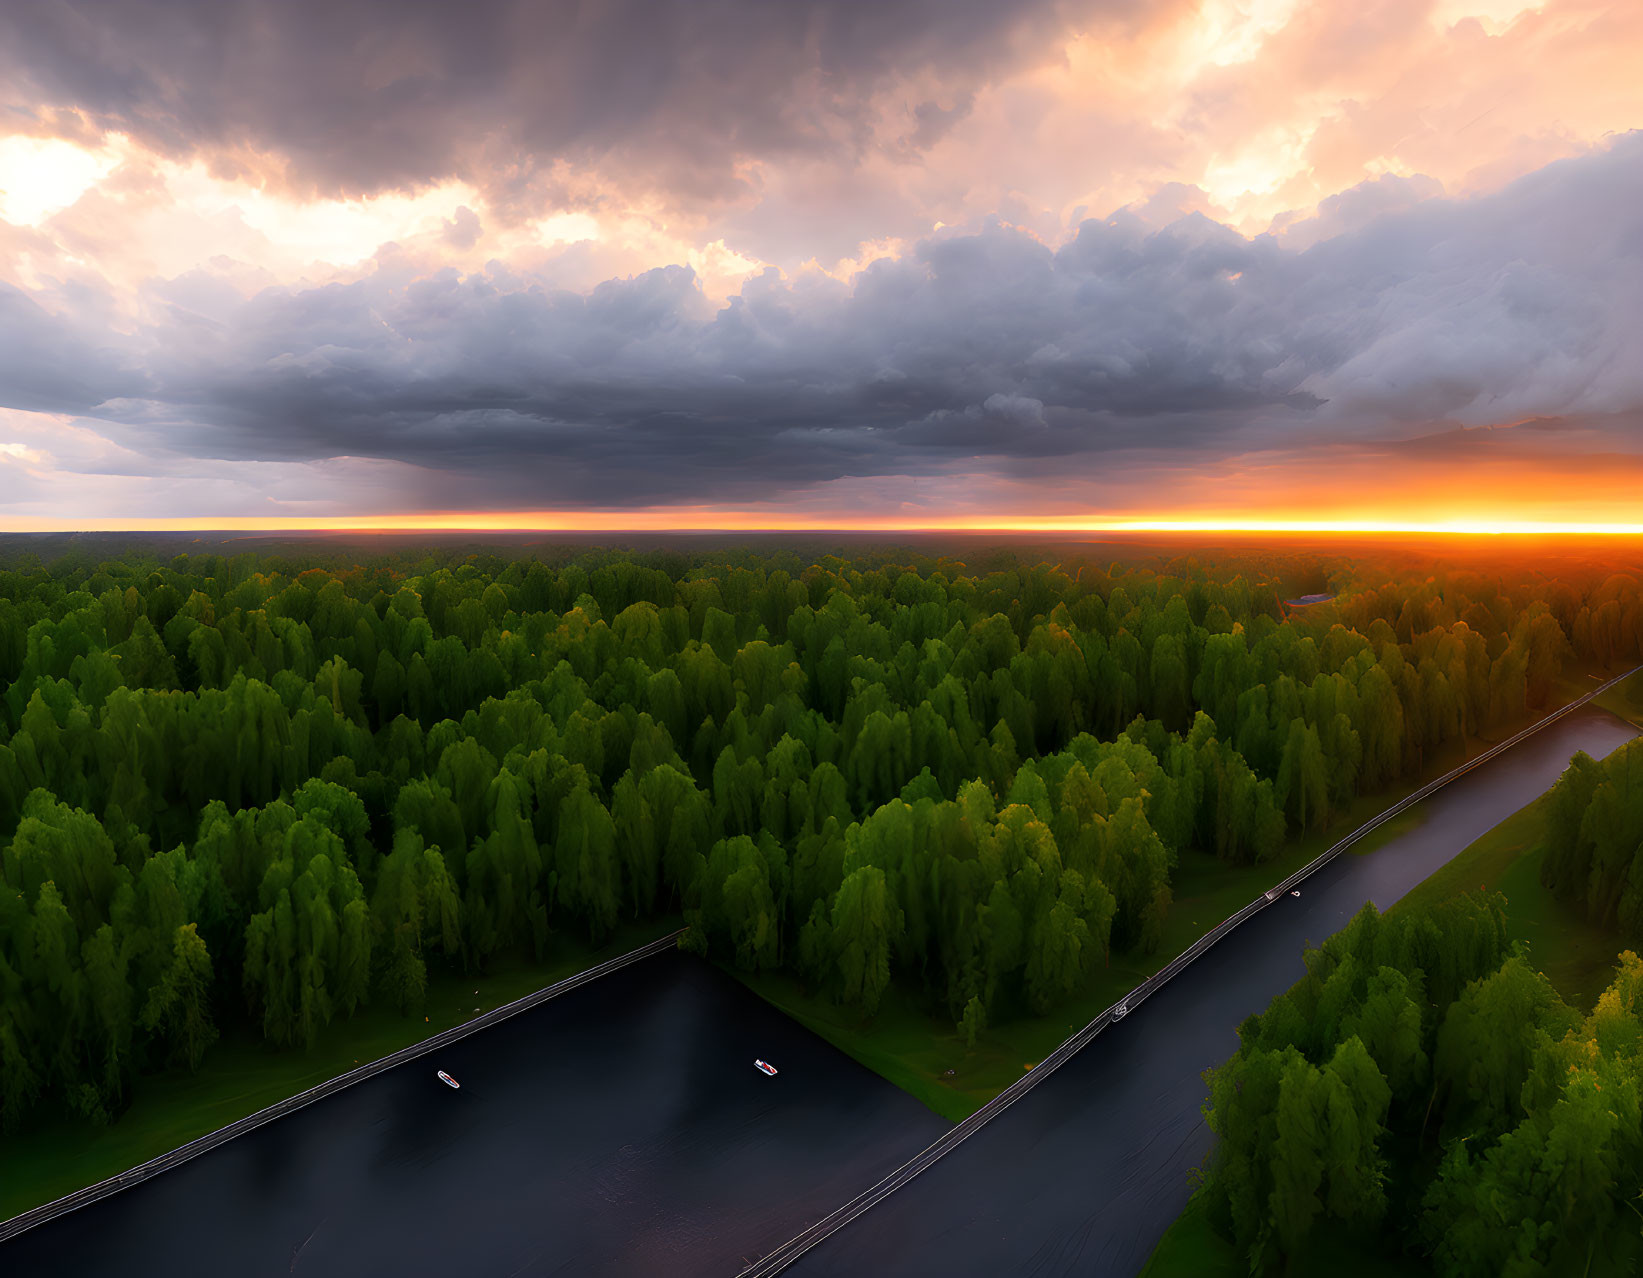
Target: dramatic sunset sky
[{"x": 738, "y": 263}]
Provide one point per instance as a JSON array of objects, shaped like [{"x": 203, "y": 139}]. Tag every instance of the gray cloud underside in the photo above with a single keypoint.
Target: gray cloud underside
[
  {"x": 986, "y": 352},
  {"x": 362, "y": 97}
]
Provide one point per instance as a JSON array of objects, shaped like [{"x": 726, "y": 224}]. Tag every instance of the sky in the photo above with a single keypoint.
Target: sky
[{"x": 858, "y": 263}]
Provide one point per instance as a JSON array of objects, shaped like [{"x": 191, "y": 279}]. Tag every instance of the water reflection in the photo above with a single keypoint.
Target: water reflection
[
  {"x": 621, "y": 1130},
  {"x": 1085, "y": 1173}
]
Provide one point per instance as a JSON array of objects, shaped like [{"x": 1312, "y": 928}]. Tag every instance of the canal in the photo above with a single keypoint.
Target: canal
[
  {"x": 623, "y": 1130},
  {"x": 1083, "y": 1175},
  {"x": 618, "y": 1130}
]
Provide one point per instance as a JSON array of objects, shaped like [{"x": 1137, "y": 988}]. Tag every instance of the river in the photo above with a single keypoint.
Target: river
[
  {"x": 622, "y": 1129},
  {"x": 1084, "y": 1174}
]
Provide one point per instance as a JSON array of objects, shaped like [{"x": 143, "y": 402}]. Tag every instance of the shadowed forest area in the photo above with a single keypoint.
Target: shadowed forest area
[
  {"x": 1425, "y": 1097},
  {"x": 273, "y": 786},
  {"x": 1425, "y": 1093}
]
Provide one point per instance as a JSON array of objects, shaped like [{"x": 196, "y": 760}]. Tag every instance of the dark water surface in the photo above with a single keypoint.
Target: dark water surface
[
  {"x": 622, "y": 1129},
  {"x": 619, "y": 1129},
  {"x": 1084, "y": 1174}
]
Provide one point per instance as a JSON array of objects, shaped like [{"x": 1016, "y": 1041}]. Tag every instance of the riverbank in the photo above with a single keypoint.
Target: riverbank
[
  {"x": 1625, "y": 699},
  {"x": 906, "y": 1044},
  {"x": 240, "y": 1076},
  {"x": 921, "y": 1051},
  {"x": 618, "y": 1128},
  {"x": 1191, "y": 1249},
  {"x": 1576, "y": 956}
]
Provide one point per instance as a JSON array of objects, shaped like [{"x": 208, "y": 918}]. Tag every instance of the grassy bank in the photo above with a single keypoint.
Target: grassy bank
[
  {"x": 906, "y": 1043},
  {"x": 240, "y": 1076},
  {"x": 1625, "y": 699},
  {"x": 1192, "y": 1249},
  {"x": 919, "y": 1049},
  {"x": 1577, "y": 956}
]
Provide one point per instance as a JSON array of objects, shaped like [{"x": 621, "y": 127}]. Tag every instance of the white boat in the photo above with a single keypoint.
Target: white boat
[
  {"x": 765, "y": 1067},
  {"x": 448, "y": 1080},
  {"x": 1295, "y": 891}
]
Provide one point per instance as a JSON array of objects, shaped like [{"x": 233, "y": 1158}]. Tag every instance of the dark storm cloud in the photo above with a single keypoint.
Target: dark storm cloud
[
  {"x": 365, "y": 96},
  {"x": 986, "y": 352}
]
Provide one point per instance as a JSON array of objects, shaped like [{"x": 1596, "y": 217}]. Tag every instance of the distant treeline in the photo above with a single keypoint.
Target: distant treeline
[
  {"x": 249, "y": 786},
  {"x": 1425, "y": 1094}
]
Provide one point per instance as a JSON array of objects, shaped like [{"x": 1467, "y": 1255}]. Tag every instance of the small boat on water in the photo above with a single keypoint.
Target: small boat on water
[
  {"x": 765, "y": 1067},
  {"x": 1295, "y": 891},
  {"x": 448, "y": 1080}
]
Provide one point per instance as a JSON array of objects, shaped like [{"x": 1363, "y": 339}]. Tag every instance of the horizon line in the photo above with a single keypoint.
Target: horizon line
[{"x": 724, "y": 521}]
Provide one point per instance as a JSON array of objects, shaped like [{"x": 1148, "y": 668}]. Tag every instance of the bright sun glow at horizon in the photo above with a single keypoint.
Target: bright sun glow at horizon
[
  {"x": 696, "y": 519},
  {"x": 1243, "y": 267}
]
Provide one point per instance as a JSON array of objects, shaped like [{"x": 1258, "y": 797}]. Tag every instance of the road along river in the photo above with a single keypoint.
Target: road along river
[
  {"x": 1086, "y": 1171},
  {"x": 621, "y": 1129}
]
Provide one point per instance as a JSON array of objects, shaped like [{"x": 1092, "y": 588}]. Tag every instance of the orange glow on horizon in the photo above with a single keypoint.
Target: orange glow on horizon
[{"x": 701, "y": 519}]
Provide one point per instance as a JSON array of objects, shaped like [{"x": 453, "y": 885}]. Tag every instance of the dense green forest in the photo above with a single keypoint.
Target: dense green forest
[
  {"x": 273, "y": 786},
  {"x": 1425, "y": 1091},
  {"x": 1594, "y": 852}
]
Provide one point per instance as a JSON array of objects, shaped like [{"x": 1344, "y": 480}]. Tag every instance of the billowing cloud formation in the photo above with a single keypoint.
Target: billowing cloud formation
[
  {"x": 357, "y": 98},
  {"x": 48, "y": 364},
  {"x": 988, "y": 352},
  {"x": 731, "y": 137}
]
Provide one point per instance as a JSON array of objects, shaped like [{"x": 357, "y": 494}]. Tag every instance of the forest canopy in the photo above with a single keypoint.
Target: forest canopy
[
  {"x": 1425, "y": 1092},
  {"x": 1594, "y": 853},
  {"x": 271, "y": 787}
]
